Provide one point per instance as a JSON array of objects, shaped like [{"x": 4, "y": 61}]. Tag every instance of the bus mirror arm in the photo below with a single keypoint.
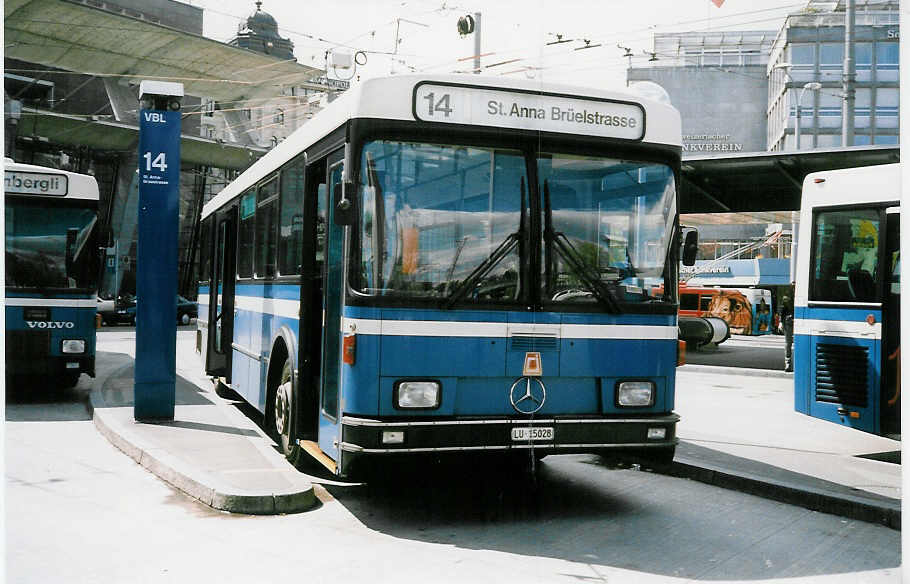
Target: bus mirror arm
[
  {"x": 344, "y": 208},
  {"x": 690, "y": 245}
]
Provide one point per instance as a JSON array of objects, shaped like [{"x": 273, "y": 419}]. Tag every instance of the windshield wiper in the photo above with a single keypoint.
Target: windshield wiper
[
  {"x": 378, "y": 235},
  {"x": 501, "y": 251},
  {"x": 571, "y": 256}
]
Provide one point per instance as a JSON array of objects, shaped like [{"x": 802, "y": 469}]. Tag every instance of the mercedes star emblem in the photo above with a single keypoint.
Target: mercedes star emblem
[{"x": 527, "y": 395}]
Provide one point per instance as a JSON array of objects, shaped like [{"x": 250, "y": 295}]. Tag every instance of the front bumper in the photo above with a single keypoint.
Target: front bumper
[
  {"x": 570, "y": 434},
  {"x": 51, "y": 364}
]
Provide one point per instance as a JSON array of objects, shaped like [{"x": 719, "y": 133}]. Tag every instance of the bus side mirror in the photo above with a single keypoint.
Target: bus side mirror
[
  {"x": 344, "y": 207},
  {"x": 690, "y": 246}
]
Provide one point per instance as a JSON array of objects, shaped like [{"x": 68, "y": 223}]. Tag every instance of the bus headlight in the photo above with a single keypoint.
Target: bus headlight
[
  {"x": 417, "y": 394},
  {"x": 72, "y": 346},
  {"x": 635, "y": 393}
]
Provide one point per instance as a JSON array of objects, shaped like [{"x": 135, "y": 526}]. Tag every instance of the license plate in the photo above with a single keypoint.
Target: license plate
[{"x": 524, "y": 433}]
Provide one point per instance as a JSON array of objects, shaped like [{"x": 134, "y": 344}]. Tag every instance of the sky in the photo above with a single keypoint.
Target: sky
[{"x": 514, "y": 33}]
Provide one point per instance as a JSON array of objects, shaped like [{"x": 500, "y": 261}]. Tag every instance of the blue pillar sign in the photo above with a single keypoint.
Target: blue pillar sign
[{"x": 156, "y": 257}]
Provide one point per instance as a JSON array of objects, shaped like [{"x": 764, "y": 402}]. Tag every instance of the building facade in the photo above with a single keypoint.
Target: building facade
[
  {"x": 264, "y": 123},
  {"x": 809, "y": 50},
  {"x": 740, "y": 92},
  {"x": 718, "y": 82},
  {"x": 39, "y": 89}
]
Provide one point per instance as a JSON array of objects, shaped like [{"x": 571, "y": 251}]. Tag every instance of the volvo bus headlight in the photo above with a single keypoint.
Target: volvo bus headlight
[
  {"x": 417, "y": 394},
  {"x": 635, "y": 393},
  {"x": 73, "y": 346}
]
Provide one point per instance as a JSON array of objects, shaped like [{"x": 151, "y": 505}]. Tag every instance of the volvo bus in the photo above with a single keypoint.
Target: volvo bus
[
  {"x": 847, "y": 302},
  {"x": 51, "y": 272},
  {"x": 453, "y": 264}
]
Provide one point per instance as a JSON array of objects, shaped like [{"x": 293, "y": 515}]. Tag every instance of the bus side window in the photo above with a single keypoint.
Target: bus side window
[
  {"x": 205, "y": 251},
  {"x": 290, "y": 233},
  {"x": 266, "y": 218},
  {"x": 688, "y": 301},
  {"x": 246, "y": 236},
  {"x": 705, "y": 303},
  {"x": 322, "y": 214}
]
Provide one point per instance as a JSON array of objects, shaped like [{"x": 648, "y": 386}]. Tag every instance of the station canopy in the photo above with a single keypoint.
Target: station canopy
[
  {"x": 765, "y": 181},
  {"x": 115, "y": 136},
  {"x": 80, "y": 38}
]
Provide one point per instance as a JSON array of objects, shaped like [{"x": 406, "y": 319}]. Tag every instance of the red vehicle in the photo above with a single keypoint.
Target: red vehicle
[
  {"x": 746, "y": 310},
  {"x": 695, "y": 301}
]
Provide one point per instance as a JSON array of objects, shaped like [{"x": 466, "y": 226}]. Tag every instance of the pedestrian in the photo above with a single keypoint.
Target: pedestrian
[{"x": 786, "y": 321}]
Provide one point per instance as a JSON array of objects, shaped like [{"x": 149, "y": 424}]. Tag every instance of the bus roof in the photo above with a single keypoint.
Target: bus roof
[
  {"x": 41, "y": 181},
  {"x": 866, "y": 184},
  {"x": 392, "y": 98}
]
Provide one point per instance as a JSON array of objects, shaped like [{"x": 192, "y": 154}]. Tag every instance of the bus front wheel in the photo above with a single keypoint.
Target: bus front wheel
[
  {"x": 70, "y": 379},
  {"x": 282, "y": 418}
]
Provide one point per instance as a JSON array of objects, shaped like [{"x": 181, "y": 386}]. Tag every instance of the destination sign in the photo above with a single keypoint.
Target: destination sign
[
  {"x": 35, "y": 183},
  {"x": 528, "y": 111}
]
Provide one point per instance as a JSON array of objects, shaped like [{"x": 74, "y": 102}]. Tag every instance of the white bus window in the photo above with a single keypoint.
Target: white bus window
[{"x": 846, "y": 255}]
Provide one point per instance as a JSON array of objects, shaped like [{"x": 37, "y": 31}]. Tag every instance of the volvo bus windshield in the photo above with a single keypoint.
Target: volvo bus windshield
[
  {"x": 459, "y": 223},
  {"x": 50, "y": 245}
]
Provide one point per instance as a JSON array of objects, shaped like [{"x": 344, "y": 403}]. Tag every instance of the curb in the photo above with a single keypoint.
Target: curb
[
  {"x": 858, "y": 507},
  {"x": 197, "y": 484},
  {"x": 735, "y": 371}
]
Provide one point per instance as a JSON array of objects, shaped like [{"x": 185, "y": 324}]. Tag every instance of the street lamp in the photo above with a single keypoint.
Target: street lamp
[{"x": 812, "y": 86}]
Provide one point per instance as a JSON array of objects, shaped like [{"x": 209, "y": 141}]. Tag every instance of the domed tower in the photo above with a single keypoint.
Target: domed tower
[{"x": 260, "y": 33}]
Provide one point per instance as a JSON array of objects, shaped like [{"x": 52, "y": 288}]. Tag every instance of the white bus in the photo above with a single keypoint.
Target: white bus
[{"x": 847, "y": 301}]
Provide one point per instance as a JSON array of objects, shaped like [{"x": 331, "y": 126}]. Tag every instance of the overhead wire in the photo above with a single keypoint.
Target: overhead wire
[{"x": 610, "y": 40}]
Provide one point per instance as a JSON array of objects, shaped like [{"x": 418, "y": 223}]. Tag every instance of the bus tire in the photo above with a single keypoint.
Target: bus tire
[
  {"x": 70, "y": 379},
  {"x": 281, "y": 417},
  {"x": 658, "y": 456}
]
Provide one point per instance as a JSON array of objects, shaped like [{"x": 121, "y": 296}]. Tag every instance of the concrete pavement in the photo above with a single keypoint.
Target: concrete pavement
[
  {"x": 210, "y": 451},
  {"x": 738, "y": 430}
]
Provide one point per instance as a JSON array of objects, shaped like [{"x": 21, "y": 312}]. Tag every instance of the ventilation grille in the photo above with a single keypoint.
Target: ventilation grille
[
  {"x": 526, "y": 342},
  {"x": 25, "y": 345},
  {"x": 841, "y": 374}
]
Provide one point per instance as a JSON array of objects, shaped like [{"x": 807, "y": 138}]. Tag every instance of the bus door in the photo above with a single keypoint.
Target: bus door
[
  {"x": 891, "y": 327},
  {"x": 332, "y": 305},
  {"x": 221, "y": 303},
  {"x": 314, "y": 207}
]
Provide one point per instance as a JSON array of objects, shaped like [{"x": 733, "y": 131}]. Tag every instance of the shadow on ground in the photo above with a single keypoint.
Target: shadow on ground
[{"x": 575, "y": 508}]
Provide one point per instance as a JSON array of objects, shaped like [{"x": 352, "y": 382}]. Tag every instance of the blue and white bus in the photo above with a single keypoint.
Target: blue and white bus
[
  {"x": 439, "y": 264},
  {"x": 847, "y": 301},
  {"x": 51, "y": 272}
]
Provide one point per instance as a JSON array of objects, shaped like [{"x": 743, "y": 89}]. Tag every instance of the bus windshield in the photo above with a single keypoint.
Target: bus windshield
[
  {"x": 50, "y": 246},
  {"x": 454, "y": 222},
  {"x": 432, "y": 214},
  {"x": 607, "y": 226}
]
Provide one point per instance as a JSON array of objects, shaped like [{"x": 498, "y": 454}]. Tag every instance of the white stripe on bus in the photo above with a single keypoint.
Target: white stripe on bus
[
  {"x": 436, "y": 328},
  {"x": 52, "y": 302},
  {"x": 273, "y": 306},
  {"x": 837, "y": 328}
]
